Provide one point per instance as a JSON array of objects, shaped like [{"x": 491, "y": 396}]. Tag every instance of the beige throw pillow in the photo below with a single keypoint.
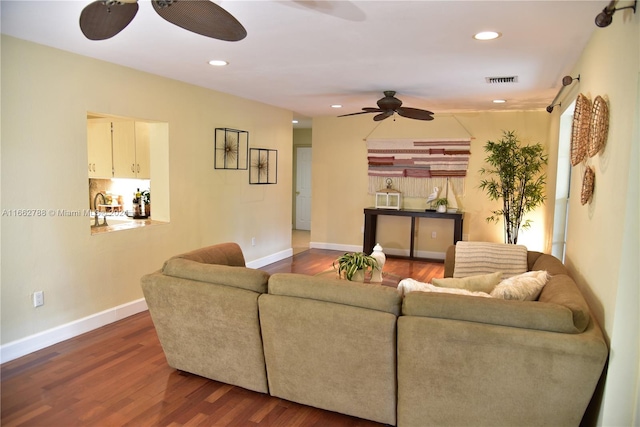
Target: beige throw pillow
[
  {"x": 479, "y": 283},
  {"x": 524, "y": 287}
]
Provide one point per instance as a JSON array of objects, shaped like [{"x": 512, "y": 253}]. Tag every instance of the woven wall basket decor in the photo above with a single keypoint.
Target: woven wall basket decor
[
  {"x": 598, "y": 126},
  {"x": 588, "y": 184},
  {"x": 580, "y": 129}
]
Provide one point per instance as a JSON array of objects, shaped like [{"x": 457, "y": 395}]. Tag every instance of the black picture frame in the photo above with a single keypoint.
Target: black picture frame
[
  {"x": 264, "y": 166},
  {"x": 231, "y": 149}
]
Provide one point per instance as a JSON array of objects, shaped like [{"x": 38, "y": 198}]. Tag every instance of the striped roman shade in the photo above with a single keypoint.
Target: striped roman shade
[{"x": 473, "y": 258}]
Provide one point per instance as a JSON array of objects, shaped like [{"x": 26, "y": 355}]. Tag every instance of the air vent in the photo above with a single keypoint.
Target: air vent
[{"x": 511, "y": 79}]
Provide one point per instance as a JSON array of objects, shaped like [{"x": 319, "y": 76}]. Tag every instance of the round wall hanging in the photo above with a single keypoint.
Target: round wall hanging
[
  {"x": 588, "y": 184},
  {"x": 598, "y": 127},
  {"x": 580, "y": 129}
]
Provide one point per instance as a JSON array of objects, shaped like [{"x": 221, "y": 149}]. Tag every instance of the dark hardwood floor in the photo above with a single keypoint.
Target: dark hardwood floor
[{"x": 117, "y": 375}]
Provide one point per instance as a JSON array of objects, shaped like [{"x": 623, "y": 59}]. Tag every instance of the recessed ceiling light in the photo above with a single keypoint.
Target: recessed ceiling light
[
  {"x": 294, "y": 121},
  {"x": 218, "y": 63},
  {"x": 336, "y": 106},
  {"x": 487, "y": 35},
  {"x": 499, "y": 101}
]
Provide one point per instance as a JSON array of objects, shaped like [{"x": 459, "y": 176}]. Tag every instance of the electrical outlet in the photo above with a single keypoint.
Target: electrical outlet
[
  {"x": 465, "y": 237},
  {"x": 253, "y": 241},
  {"x": 38, "y": 298},
  {"x": 433, "y": 234}
]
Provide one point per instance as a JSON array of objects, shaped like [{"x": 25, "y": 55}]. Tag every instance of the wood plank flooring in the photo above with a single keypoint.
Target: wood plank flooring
[{"x": 117, "y": 375}]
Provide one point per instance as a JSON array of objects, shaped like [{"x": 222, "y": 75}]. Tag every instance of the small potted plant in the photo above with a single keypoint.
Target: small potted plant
[
  {"x": 354, "y": 265},
  {"x": 441, "y": 204}
]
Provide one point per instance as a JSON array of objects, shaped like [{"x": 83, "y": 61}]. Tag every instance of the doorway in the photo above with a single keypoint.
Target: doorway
[
  {"x": 302, "y": 227},
  {"x": 303, "y": 188}
]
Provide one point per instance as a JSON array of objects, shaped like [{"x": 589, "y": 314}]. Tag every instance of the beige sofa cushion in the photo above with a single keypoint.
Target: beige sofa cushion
[
  {"x": 365, "y": 295},
  {"x": 560, "y": 308},
  {"x": 223, "y": 253},
  {"x": 238, "y": 277}
]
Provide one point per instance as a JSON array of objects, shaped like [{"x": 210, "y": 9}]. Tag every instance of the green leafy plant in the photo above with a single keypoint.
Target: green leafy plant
[
  {"x": 516, "y": 177},
  {"x": 349, "y": 263},
  {"x": 441, "y": 202}
]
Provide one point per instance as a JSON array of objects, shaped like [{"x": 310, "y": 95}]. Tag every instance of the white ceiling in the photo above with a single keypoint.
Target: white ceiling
[{"x": 306, "y": 55}]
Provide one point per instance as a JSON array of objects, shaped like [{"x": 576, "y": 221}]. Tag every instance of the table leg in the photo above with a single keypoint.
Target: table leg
[
  {"x": 370, "y": 225},
  {"x": 413, "y": 234}
]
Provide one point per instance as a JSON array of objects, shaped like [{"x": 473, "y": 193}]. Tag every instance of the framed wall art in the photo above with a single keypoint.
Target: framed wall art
[
  {"x": 263, "y": 166},
  {"x": 231, "y": 147}
]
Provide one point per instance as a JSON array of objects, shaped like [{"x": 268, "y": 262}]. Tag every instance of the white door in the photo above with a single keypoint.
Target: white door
[{"x": 303, "y": 188}]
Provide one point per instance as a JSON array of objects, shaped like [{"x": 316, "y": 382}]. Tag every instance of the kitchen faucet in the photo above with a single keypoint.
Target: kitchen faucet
[{"x": 95, "y": 206}]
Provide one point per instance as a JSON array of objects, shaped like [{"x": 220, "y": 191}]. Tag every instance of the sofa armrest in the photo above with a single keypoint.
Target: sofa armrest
[{"x": 238, "y": 277}]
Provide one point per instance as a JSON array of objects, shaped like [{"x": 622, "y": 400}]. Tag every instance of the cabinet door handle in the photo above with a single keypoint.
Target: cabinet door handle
[
  {"x": 138, "y": 167},
  {"x": 133, "y": 167},
  {"x": 89, "y": 167}
]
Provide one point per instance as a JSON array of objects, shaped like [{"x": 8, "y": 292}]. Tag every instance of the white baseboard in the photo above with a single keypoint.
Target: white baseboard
[
  {"x": 24, "y": 346},
  {"x": 270, "y": 259},
  {"x": 396, "y": 252},
  {"x": 335, "y": 247}
]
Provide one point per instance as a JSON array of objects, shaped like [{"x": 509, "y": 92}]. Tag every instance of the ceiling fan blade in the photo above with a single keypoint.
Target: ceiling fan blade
[
  {"x": 415, "y": 113},
  {"x": 99, "y": 21},
  {"x": 383, "y": 116},
  {"x": 201, "y": 17},
  {"x": 365, "y": 110}
]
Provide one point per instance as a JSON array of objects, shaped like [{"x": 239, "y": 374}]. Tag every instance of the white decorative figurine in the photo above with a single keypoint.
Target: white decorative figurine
[
  {"x": 380, "y": 257},
  {"x": 433, "y": 195}
]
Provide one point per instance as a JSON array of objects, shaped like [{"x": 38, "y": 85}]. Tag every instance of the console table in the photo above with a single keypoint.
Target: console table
[{"x": 371, "y": 224}]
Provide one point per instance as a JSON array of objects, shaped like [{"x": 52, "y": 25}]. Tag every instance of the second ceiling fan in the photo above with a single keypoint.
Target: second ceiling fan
[
  {"x": 104, "y": 19},
  {"x": 389, "y": 105}
]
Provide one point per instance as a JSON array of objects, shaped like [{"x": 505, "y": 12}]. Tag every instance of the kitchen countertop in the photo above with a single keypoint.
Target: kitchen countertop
[{"x": 134, "y": 223}]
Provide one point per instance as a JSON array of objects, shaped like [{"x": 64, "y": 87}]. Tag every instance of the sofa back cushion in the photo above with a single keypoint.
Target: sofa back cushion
[
  {"x": 560, "y": 308},
  {"x": 224, "y": 254},
  {"x": 365, "y": 295},
  {"x": 237, "y": 277}
]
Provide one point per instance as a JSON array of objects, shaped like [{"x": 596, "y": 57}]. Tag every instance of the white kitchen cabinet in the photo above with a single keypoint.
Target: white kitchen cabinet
[
  {"x": 124, "y": 149},
  {"x": 99, "y": 149},
  {"x": 130, "y": 149},
  {"x": 143, "y": 164}
]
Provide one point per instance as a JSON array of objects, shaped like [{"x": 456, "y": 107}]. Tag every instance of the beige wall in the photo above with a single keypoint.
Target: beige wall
[
  {"x": 46, "y": 94},
  {"x": 602, "y": 237},
  {"x": 340, "y": 179}
]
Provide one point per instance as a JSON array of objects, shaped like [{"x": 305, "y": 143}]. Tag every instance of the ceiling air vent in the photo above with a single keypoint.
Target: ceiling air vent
[{"x": 510, "y": 79}]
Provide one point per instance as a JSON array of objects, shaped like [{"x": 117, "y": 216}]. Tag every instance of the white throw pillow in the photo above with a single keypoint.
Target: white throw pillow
[
  {"x": 410, "y": 285},
  {"x": 524, "y": 287}
]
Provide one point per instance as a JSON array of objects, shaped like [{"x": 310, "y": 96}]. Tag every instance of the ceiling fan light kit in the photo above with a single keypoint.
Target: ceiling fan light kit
[
  {"x": 390, "y": 105},
  {"x": 103, "y": 19}
]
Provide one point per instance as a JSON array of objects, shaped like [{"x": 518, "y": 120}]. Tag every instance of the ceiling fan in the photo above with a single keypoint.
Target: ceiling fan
[
  {"x": 389, "y": 105},
  {"x": 104, "y": 19}
]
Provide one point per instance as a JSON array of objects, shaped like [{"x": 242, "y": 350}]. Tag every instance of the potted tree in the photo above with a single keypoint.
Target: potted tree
[
  {"x": 354, "y": 265},
  {"x": 515, "y": 176}
]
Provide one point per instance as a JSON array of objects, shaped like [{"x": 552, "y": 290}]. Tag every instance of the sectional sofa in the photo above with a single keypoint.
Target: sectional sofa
[{"x": 368, "y": 351}]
